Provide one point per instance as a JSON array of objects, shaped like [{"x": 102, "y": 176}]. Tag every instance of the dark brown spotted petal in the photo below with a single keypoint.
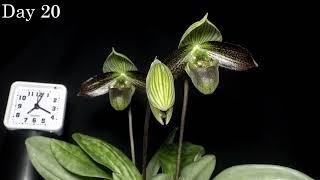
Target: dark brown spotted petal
[
  {"x": 177, "y": 60},
  {"x": 138, "y": 79},
  {"x": 98, "y": 84},
  {"x": 230, "y": 56}
]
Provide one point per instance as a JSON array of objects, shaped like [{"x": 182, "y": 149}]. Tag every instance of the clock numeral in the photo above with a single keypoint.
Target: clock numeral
[
  {"x": 53, "y": 108},
  {"x": 25, "y": 119},
  {"x": 34, "y": 120},
  {"x": 47, "y": 94},
  {"x": 18, "y": 115},
  {"x": 43, "y": 120},
  {"x": 22, "y": 97},
  {"x": 30, "y": 93},
  {"x": 52, "y": 117},
  {"x": 55, "y": 100},
  {"x": 19, "y": 106}
]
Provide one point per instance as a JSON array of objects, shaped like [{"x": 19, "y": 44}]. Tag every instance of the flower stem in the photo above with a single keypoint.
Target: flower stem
[
  {"x": 131, "y": 136},
  {"x": 182, "y": 124},
  {"x": 145, "y": 141}
]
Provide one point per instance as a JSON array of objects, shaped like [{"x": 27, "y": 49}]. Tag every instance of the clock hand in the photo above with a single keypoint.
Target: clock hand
[
  {"x": 44, "y": 110},
  {"x": 31, "y": 110},
  {"x": 39, "y": 98}
]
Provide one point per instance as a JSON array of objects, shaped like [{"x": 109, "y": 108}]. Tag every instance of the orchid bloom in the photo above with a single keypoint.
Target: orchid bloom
[
  {"x": 120, "y": 78},
  {"x": 201, "y": 52}
]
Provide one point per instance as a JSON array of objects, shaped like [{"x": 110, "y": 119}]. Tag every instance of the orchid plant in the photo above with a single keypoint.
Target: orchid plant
[{"x": 200, "y": 53}]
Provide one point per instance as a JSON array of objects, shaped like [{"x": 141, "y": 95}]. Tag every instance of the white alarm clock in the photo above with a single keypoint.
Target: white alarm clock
[{"x": 37, "y": 106}]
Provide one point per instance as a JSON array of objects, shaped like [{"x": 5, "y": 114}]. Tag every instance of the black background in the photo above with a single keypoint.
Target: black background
[{"x": 264, "y": 115}]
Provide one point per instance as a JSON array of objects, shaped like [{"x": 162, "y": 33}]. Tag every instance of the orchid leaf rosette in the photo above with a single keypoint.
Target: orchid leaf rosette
[
  {"x": 201, "y": 52},
  {"x": 160, "y": 91},
  {"x": 120, "y": 79}
]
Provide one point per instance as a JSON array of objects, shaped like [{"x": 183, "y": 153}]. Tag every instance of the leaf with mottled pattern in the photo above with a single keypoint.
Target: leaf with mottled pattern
[
  {"x": 261, "y": 171},
  {"x": 162, "y": 177},
  {"x": 72, "y": 158},
  {"x": 200, "y": 169},
  {"x": 43, "y": 160},
  {"x": 154, "y": 164},
  {"x": 107, "y": 155},
  {"x": 168, "y": 156}
]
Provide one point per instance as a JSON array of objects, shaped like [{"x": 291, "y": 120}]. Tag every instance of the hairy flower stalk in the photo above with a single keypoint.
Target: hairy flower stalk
[
  {"x": 120, "y": 79},
  {"x": 145, "y": 142},
  {"x": 182, "y": 124}
]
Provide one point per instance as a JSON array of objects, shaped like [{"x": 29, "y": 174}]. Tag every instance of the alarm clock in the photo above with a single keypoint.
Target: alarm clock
[{"x": 36, "y": 106}]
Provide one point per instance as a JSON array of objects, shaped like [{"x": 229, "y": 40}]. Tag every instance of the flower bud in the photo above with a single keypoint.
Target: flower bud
[{"x": 160, "y": 91}]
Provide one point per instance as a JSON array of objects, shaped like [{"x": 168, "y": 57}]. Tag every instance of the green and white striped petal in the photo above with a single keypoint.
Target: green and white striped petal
[
  {"x": 160, "y": 91},
  {"x": 117, "y": 62},
  {"x": 200, "y": 32}
]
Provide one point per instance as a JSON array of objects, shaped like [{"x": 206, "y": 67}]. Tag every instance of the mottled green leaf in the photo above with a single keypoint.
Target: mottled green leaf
[
  {"x": 161, "y": 177},
  {"x": 168, "y": 156},
  {"x": 200, "y": 169},
  {"x": 73, "y": 159},
  {"x": 263, "y": 172},
  {"x": 43, "y": 160},
  {"x": 107, "y": 155},
  {"x": 117, "y": 62},
  {"x": 98, "y": 85},
  {"x": 230, "y": 56},
  {"x": 116, "y": 176},
  {"x": 154, "y": 164},
  {"x": 200, "y": 32}
]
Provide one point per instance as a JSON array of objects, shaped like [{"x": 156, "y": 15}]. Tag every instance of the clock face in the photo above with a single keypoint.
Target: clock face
[{"x": 39, "y": 106}]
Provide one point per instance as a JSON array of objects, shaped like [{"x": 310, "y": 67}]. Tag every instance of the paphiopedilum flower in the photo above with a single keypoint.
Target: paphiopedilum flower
[
  {"x": 120, "y": 78},
  {"x": 201, "y": 52},
  {"x": 160, "y": 91}
]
